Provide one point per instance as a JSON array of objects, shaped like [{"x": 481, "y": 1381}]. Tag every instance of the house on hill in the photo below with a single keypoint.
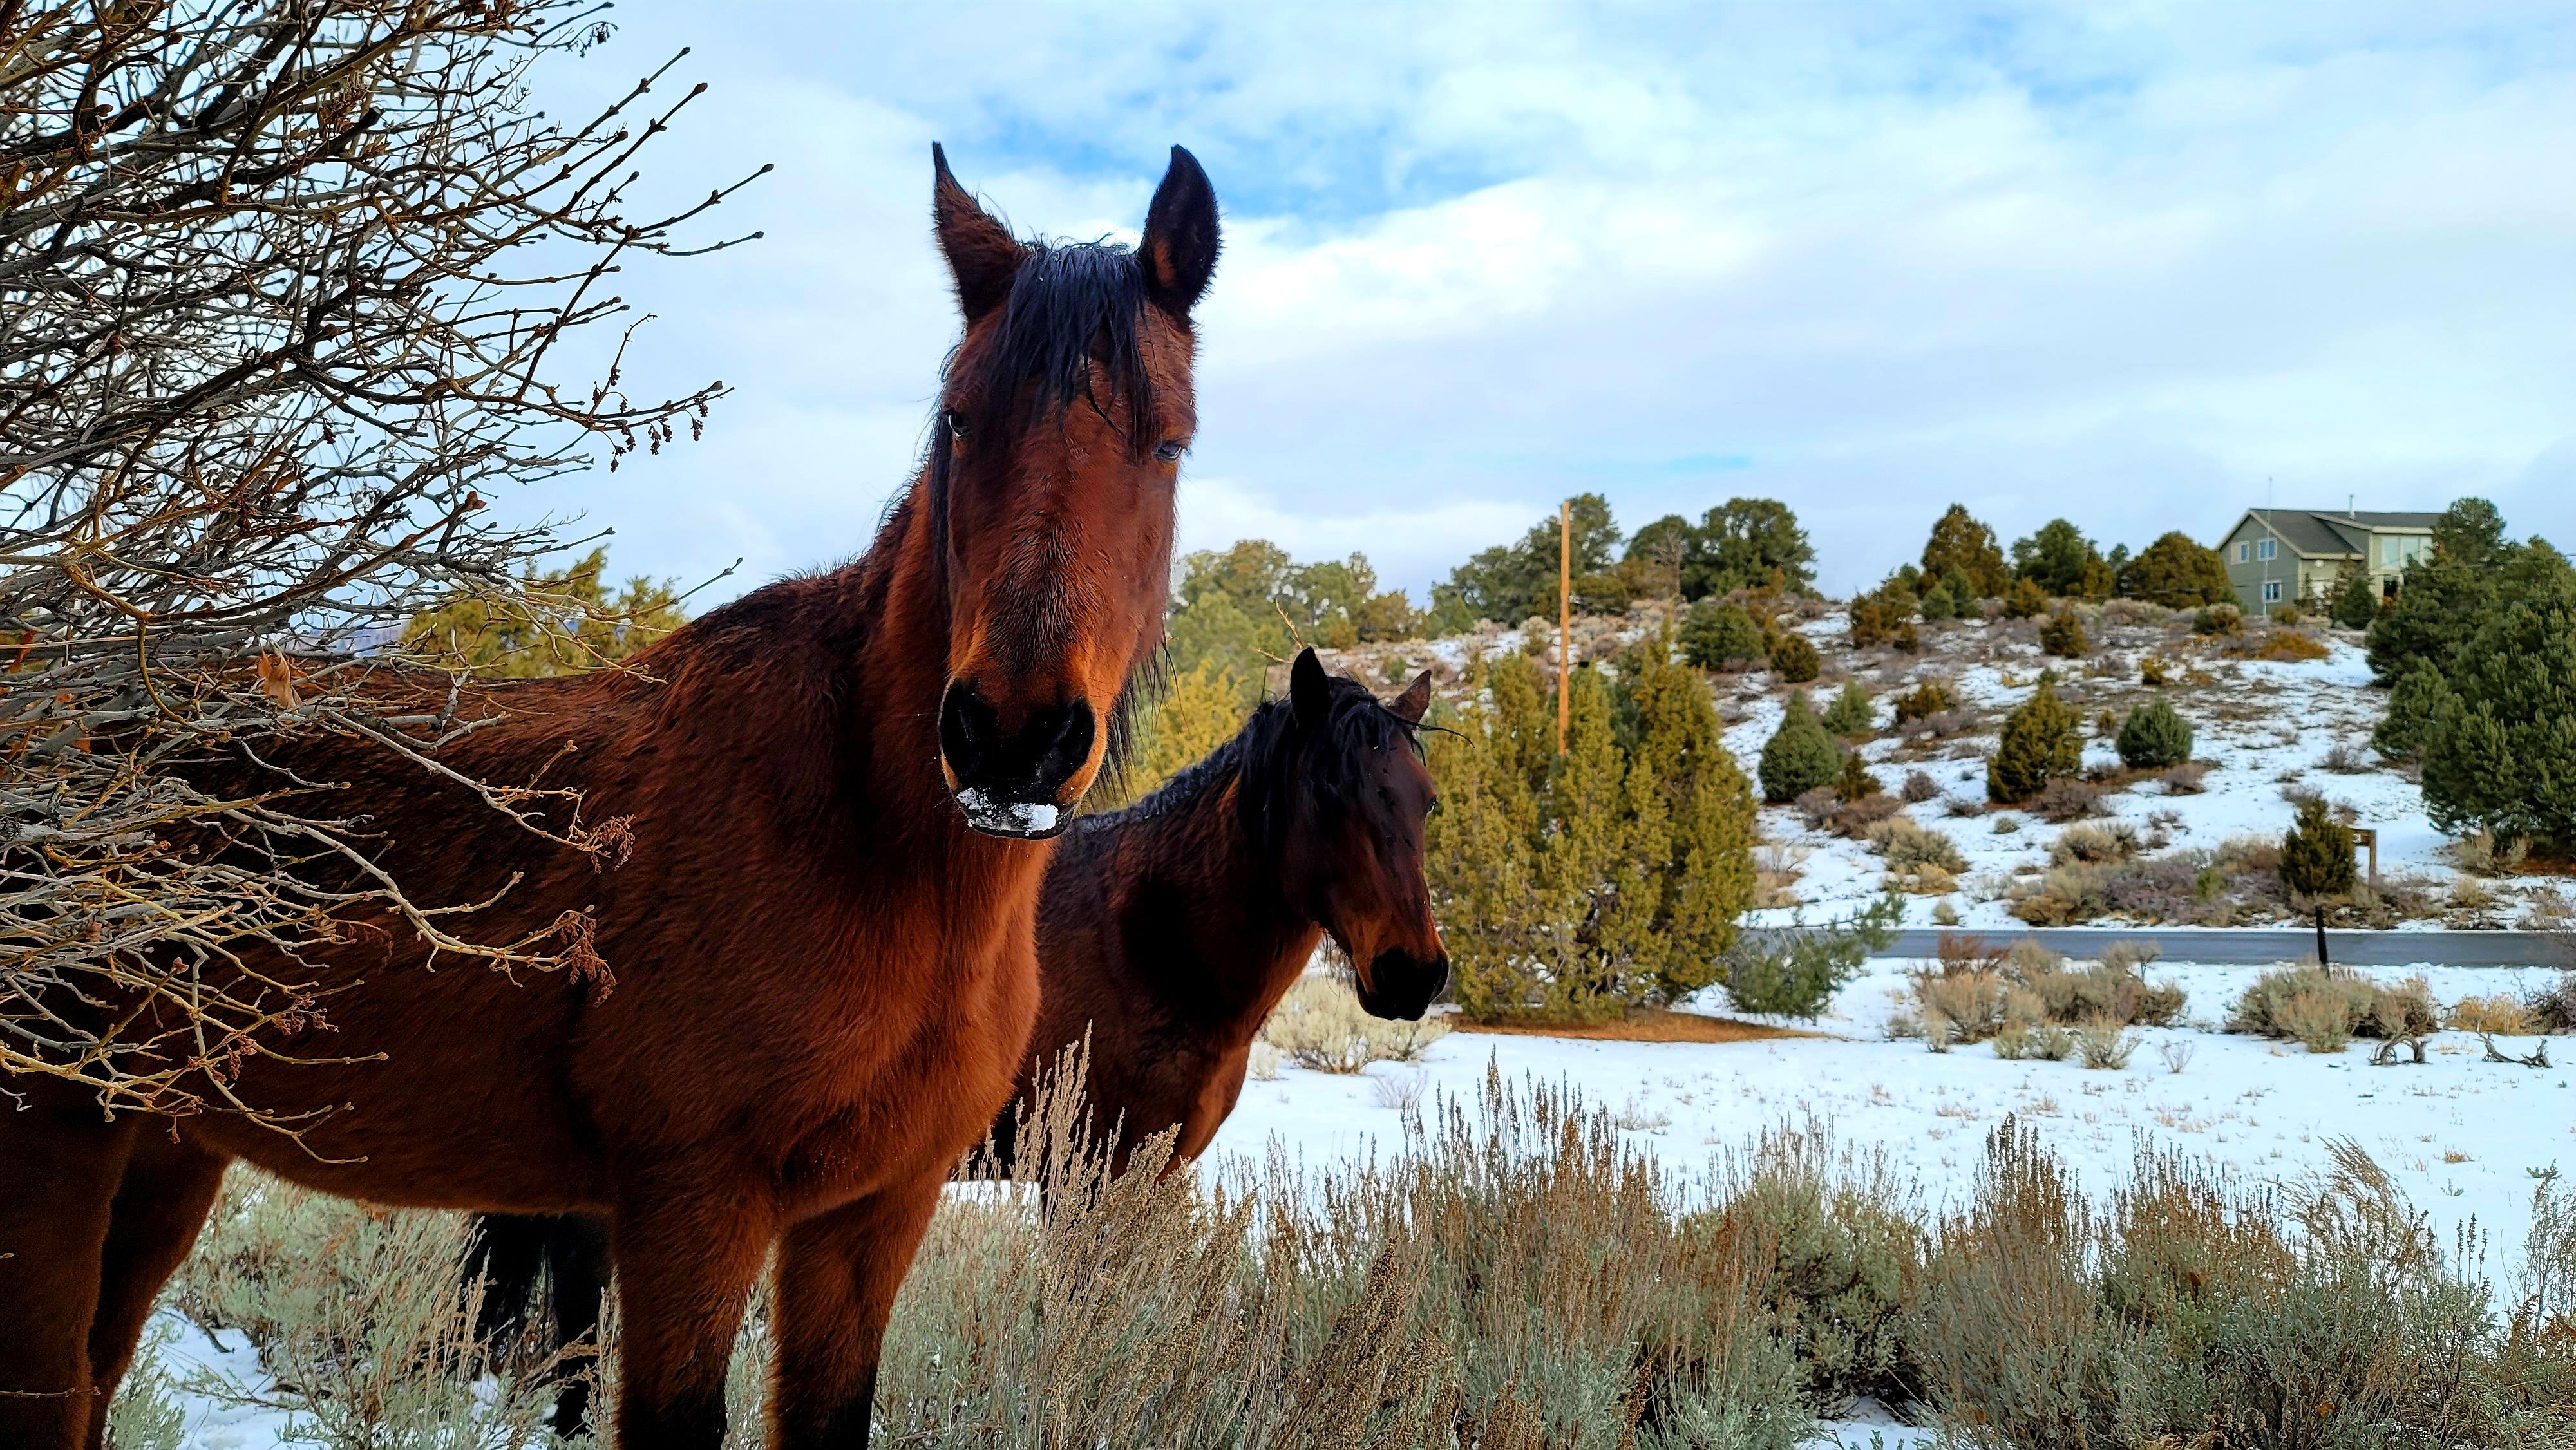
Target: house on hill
[{"x": 2302, "y": 556}]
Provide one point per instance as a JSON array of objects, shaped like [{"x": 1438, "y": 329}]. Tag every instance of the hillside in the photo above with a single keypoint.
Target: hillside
[{"x": 2276, "y": 713}]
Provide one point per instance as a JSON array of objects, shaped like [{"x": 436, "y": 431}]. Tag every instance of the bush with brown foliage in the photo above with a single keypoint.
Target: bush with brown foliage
[
  {"x": 2067, "y": 799},
  {"x": 1926, "y": 699}
]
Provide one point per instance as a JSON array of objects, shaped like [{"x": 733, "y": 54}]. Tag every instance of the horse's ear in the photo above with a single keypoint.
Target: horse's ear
[
  {"x": 1308, "y": 691},
  {"x": 1416, "y": 698},
  {"x": 982, "y": 254},
  {"x": 1179, "y": 253}
]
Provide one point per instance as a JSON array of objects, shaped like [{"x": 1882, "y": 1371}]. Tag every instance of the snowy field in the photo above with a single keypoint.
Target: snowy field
[{"x": 2461, "y": 1135}]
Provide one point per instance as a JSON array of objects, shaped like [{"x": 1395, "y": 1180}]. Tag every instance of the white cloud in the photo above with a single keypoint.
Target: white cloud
[{"x": 2120, "y": 264}]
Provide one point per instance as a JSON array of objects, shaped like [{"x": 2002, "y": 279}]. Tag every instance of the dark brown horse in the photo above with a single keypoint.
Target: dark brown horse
[
  {"x": 1166, "y": 933},
  {"x": 822, "y": 944}
]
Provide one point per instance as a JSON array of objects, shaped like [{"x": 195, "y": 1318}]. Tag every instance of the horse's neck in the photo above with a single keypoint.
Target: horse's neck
[{"x": 1242, "y": 942}]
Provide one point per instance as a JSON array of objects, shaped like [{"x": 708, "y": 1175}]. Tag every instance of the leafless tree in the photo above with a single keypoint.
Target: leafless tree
[{"x": 285, "y": 289}]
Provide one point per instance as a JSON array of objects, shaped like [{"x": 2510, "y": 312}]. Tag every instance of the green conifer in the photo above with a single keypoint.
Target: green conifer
[
  {"x": 2316, "y": 853},
  {"x": 1800, "y": 755},
  {"x": 2154, "y": 737},
  {"x": 2356, "y": 603},
  {"x": 2412, "y": 708},
  {"x": 1850, "y": 715},
  {"x": 1794, "y": 658},
  {"x": 2041, "y": 742},
  {"x": 2063, "y": 634}
]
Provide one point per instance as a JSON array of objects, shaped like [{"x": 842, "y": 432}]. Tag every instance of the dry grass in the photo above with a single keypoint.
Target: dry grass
[
  {"x": 1320, "y": 1025},
  {"x": 2499, "y": 1013},
  {"x": 1519, "y": 1277},
  {"x": 357, "y": 1317}
]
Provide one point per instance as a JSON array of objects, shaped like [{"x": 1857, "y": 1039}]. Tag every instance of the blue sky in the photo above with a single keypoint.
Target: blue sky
[{"x": 2141, "y": 266}]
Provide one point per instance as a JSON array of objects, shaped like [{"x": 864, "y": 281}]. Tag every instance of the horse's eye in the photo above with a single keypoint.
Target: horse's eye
[
  {"x": 956, "y": 422},
  {"x": 1171, "y": 449}
]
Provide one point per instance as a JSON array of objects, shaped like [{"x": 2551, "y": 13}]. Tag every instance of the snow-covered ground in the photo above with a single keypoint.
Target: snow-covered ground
[
  {"x": 2254, "y": 722},
  {"x": 2462, "y": 1136}
]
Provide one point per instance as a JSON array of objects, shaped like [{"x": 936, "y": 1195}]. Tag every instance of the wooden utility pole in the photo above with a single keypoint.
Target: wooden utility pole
[{"x": 1564, "y": 615}]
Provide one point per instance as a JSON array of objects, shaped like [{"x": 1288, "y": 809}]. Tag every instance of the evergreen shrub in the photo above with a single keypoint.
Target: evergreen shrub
[
  {"x": 1572, "y": 888},
  {"x": 1794, "y": 658},
  {"x": 2041, "y": 742},
  {"x": 2316, "y": 853},
  {"x": 1800, "y": 755},
  {"x": 2154, "y": 737}
]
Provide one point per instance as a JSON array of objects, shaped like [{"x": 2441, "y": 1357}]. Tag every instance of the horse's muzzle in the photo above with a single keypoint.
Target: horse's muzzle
[
  {"x": 1010, "y": 783},
  {"x": 1402, "y": 985}
]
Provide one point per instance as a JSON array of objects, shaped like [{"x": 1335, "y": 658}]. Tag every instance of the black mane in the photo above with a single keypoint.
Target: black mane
[
  {"x": 1263, "y": 755},
  {"x": 1070, "y": 304}
]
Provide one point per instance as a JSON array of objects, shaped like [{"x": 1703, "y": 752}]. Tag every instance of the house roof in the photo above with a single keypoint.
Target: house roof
[{"x": 2313, "y": 533}]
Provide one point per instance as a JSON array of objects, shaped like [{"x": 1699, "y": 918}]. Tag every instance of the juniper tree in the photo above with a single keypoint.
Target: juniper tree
[
  {"x": 1800, "y": 755},
  {"x": 1794, "y": 658},
  {"x": 1717, "y": 634},
  {"x": 2316, "y": 853},
  {"x": 2041, "y": 742},
  {"x": 1959, "y": 541},
  {"x": 1851, "y": 713},
  {"x": 2154, "y": 737}
]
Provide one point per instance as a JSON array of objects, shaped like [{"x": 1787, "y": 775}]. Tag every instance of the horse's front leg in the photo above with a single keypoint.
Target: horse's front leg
[
  {"x": 686, "y": 1262},
  {"x": 837, "y": 1277}
]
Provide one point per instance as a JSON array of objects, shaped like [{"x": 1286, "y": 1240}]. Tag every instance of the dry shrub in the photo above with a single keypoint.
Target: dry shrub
[
  {"x": 2192, "y": 1313},
  {"x": 1841, "y": 1248},
  {"x": 1827, "y": 809},
  {"x": 2279, "y": 644},
  {"x": 357, "y": 1316},
  {"x": 2498, "y": 1013},
  {"x": 1909, "y": 846},
  {"x": 1320, "y": 1025},
  {"x": 2347, "y": 759},
  {"x": 1918, "y": 788},
  {"x": 2105, "y": 1045},
  {"x": 2013, "y": 1349},
  {"x": 1516, "y": 1267},
  {"x": 2553, "y": 1008},
  {"x": 2188, "y": 778},
  {"x": 1940, "y": 724},
  {"x": 2066, "y": 798},
  {"x": 2114, "y": 841},
  {"x": 2046, "y": 988},
  {"x": 2322, "y": 1008},
  {"x": 2184, "y": 886},
  {"x": 2025, "y": 1038}
]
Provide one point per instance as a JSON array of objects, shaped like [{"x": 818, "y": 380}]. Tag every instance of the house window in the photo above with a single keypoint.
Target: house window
[
  {"x": 2263, "y": 550},
  {"x": 2271, "y": 591},
  {"x": 2244, "y": 551}
]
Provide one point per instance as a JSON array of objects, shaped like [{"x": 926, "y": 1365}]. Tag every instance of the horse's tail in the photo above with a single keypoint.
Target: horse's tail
[{"x": 504, "y": 1254}]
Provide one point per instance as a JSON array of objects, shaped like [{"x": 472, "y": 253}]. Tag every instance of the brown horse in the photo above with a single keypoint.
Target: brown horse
[
  {"x": 1166, "y": 933},
  {"x": 822, "y": 944}
]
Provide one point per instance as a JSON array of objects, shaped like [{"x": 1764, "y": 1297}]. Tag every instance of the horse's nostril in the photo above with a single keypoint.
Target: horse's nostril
[
  {"x": 1008, "y": 779},
  {"x": 968, "y": 729}
]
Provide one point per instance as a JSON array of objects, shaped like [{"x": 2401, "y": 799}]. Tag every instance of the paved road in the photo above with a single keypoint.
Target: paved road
[{"x": 2243, "y": 947}]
